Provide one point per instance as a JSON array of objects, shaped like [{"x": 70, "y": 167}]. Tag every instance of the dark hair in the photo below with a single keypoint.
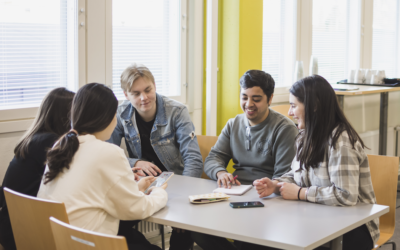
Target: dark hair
[
  {"x": 259, "y": 78},
  {"x": 93, "y": 109},
  {"x": 322, "y": 116},
  {"x": 53, "y": 116}
]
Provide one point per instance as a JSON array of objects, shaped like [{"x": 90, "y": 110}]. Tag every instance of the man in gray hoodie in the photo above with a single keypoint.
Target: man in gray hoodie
[{"x": 261, "y": 143}]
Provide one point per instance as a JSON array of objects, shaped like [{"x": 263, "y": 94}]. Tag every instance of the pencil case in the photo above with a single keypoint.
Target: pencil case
[{"x": 208, "y": 198}]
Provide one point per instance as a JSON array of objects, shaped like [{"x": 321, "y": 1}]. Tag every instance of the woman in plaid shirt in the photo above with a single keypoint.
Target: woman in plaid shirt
[{"x": 330, "y": 166}]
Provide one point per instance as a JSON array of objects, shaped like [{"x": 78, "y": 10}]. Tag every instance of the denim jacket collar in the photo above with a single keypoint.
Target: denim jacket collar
[{"x": 161, "y": 117}]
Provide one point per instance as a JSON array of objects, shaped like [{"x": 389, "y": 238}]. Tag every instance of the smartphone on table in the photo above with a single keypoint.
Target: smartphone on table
[
  {"x": 161, "y": 179},
  {"x": 246, "y": 204}
]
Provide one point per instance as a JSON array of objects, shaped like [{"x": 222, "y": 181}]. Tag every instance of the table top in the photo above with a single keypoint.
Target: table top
[
  {"x": 362, "y": 89},
  {"x": 281, "y": 223}
]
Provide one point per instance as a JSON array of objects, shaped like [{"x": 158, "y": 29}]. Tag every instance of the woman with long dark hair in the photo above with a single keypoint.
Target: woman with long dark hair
[
  {"x": 330, "y": 166},
  {"x": 92, "y": 177},
  {"x": 26, "y": 168}
]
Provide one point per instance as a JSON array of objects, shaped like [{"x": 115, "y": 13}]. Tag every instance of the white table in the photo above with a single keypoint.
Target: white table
[
  {"x": 281, "y": 224},
  {"x": 383, "y": 114}
]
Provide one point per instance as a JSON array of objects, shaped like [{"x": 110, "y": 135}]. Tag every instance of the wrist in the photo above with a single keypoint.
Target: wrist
[
  {"x": 276, "y": 188},
  {"x": 303, "y": 194},
  {"x": 298, "y": 193},
  {"x": 136, "y": 163},
  {"x": 221, "y": 172}
]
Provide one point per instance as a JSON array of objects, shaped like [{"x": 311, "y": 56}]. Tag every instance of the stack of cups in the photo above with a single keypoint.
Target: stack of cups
[
  {"x": 381, "y": 75},
  {"x": 368, "y": 76},
  {"x": 359, "y": 76},
  {"x": 351, "y": 76},
  {"x": 298, "y": 71},
  {"x": 313, "y": 69}
]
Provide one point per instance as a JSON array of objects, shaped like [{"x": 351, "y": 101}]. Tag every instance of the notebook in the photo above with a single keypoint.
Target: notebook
[{"x": 234, "y": 190}]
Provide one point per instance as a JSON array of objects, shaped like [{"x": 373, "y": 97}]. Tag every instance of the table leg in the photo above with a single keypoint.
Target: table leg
[
  {"x": 383, "y": 119},
  {"x": 336, "y": 244},
  {"x": 341, "y": 101},
  {"x": 161, "y": 227}
]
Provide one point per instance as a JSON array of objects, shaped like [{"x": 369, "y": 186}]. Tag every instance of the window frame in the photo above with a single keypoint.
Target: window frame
[
  {"x": 19, "y": 119},
  {"x": 183, "y": 52},
  {"x": 95, "y": 34},
  {"x": 304, "y": 40}
]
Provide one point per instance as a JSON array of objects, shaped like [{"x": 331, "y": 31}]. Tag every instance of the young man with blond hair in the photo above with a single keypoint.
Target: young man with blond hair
[{"x": 158, "y": 133}]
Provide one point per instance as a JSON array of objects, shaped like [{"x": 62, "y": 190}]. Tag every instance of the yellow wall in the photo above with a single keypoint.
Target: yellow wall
[{"x": 239, "y": 49}]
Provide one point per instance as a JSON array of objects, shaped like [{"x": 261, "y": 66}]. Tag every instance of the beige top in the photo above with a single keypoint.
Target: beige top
[{"x": 99, "y": 188}]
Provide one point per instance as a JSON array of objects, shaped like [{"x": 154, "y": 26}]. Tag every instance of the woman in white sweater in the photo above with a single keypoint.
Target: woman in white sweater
[{"x": 92, "y": 177}]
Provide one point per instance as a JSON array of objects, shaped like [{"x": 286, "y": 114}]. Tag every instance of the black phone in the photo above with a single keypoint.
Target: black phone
[{"x": 246, "y": 204}]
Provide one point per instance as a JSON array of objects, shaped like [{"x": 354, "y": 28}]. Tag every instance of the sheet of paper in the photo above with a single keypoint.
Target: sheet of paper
[{"x": 234, "y": 190}]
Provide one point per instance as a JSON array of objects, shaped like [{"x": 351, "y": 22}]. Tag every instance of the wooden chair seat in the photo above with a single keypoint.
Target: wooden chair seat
[
  {"x": 205, "y": 145},
  {"x": 384, "y": 177},
  {"x": 30, "y": 219},
  {"x": 68, "y": 237},
  {"x": 385, "y": 237}
]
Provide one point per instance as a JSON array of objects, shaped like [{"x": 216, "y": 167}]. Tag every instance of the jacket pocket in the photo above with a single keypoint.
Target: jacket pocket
[
  {"x": 130, "y": 143},
  {"x": 169, "y": 148}
]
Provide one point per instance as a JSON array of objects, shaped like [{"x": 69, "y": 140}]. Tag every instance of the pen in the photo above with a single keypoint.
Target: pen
[{"x": 234, "y": 178}]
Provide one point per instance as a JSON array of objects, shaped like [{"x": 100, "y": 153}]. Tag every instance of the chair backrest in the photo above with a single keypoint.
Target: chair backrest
[
  {"x": 68, "y": 237},
  {"x": 30, "y": 219},
  {"x": 282, "y": 109},
  {"x": 384, "y": 175},
  {"x": 206, "y": 143}
]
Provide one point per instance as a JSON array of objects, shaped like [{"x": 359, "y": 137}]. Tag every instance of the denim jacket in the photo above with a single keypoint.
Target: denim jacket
[{"x": 171, "y": 137}]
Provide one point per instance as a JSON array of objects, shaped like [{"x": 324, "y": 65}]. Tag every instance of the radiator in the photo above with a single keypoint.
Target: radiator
[{"x": 150, "y": 229}]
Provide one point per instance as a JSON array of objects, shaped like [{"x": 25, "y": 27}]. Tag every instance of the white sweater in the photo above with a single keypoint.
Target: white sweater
[{"x": 99, "y": 188}]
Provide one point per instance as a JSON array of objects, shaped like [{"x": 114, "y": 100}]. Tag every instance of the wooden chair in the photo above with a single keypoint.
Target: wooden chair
[
  {"x": 205, "y": 144},
  {"x": 384, "y": 175},
  {"x": 282, "y": 109},
  {"x": 30, "y": 219},
  {"x": 68, "y": 237}
]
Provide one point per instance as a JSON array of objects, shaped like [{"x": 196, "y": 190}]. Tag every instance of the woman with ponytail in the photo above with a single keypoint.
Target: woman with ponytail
[
  {"x": 92, "y": 177},
  {"x": 330, "y": 166},
  {"x": 26, "y": 168}
]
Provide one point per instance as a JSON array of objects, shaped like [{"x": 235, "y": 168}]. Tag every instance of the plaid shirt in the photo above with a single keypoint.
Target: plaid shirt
[{"x": 342, "y": 179}]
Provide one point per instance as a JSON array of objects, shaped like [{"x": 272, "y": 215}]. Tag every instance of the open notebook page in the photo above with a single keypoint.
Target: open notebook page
[{"x": 234, "y": 190}]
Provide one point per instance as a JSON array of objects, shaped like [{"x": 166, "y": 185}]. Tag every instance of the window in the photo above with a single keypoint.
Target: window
[
  {"x": 37, "y": 50},
  {"x": 385, "y": 37},
  {"x": 336, "y": 37},
  {"x": 279, "y": 39},
  {"x": 149, "y": 32}
]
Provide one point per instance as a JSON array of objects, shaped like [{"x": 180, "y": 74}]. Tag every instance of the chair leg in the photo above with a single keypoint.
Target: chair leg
[
  {"x": 162, "y": 236},
  {"x": 392, "y": 243}
]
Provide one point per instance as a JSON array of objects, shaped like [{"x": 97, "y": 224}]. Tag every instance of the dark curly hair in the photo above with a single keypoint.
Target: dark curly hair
[{"x": 259, "y": 78}]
